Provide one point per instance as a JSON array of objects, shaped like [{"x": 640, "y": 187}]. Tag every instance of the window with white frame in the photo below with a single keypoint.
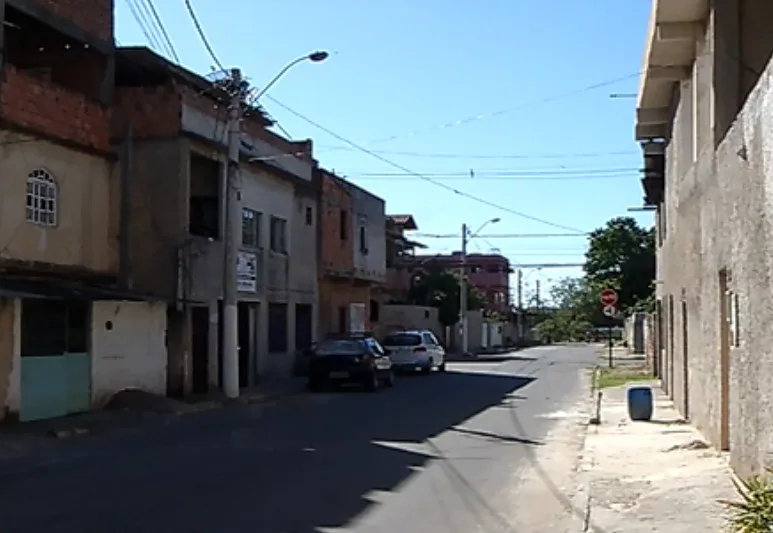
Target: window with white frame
[
  {"x": 278, "y": 235},
  {"x": 41, "y": 198}
]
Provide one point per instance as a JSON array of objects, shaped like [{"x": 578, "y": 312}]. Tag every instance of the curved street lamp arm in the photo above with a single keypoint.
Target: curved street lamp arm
[{"x": 279, "y": 75}]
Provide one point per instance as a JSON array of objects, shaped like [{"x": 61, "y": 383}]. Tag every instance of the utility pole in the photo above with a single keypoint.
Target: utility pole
[
  {"x": 463, "y": 292},
  {"x": 232, "y": 228},
  {"x": 539, "y": 304},
  {"x": 521, "y": 315}
]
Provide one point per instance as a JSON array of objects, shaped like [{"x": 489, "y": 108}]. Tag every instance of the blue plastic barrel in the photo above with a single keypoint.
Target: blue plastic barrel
[{"x": 640, "y": 403}]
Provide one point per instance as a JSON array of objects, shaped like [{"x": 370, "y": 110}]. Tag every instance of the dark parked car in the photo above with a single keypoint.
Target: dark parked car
[{"x": 350, "y": 359}]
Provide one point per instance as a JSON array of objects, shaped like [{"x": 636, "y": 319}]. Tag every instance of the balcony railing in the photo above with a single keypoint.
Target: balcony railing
[{"x": 33, "y": 103}]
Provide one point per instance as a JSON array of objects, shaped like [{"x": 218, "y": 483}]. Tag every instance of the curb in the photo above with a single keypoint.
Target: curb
[{"x": 579, "y": 521}]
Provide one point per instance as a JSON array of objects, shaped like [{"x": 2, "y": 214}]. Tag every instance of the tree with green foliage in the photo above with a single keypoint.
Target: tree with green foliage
[
  {"x": 621, "y": 256},
  {"x": 576, "y": 311},
  {"x": 440, "y": 288}
]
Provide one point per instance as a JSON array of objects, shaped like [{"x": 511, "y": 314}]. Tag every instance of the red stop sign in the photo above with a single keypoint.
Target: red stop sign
[{"x": 608, "y": 297}]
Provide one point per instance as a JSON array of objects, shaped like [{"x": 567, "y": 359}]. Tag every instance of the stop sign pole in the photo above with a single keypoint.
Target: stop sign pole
[{"x": 608, "y": 299}]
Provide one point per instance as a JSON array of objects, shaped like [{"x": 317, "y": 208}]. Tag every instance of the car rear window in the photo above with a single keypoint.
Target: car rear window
[
  {"x": 402, "y": 339},
  {"x": 340, "y": 347}
]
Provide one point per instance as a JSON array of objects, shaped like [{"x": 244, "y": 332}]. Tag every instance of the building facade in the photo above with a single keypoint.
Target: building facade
[
  {"x": 488, "y": 274},
  {"x": 399, "y": 252},
  {"x": 704, "y": 119},
  {"x": 177, "y": 121},
  {"x": 61, "y": 262},
  {"x": 352, "y": 266}
]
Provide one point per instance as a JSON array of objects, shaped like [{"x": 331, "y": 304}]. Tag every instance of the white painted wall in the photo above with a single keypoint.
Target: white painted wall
[{"x": 130, "y": 355}]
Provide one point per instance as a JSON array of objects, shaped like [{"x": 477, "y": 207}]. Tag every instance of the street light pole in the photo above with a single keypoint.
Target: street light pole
[
  {"x": 466, "y": 236},
  {"x": 233, "y": 221},
  {"x": 463, "y": 292}
]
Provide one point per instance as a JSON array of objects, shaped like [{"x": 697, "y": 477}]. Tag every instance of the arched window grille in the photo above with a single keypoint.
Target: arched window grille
[{"x": 41, "y": 198}]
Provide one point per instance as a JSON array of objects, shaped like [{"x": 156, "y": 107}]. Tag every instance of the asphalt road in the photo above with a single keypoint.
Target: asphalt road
[{"x": 444, "y": 453}]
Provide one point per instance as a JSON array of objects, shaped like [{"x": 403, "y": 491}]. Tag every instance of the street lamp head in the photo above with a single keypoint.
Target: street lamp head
[
  {"x": 318, "y": 57},
  {"x": 495, "y": 220}
]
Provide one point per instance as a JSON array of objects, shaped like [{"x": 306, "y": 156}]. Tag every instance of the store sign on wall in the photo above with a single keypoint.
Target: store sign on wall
[{"x": 247, "y": 272}]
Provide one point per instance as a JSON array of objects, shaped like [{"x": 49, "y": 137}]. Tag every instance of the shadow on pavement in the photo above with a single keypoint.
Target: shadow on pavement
[
  {"x": 491, "y": 359},
  {"x": 497, "y": 437},
  {"x": 261, "y": 469}
]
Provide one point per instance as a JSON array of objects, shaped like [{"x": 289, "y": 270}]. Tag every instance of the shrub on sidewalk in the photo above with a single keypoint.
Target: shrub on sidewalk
[{"x": 753, "y": 513}]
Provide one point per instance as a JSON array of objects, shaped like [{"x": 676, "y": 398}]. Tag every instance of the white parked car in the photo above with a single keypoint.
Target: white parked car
[{"x": 415, "y": 350}]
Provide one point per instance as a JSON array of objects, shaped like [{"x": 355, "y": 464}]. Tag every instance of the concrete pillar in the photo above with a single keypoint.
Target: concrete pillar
[
  {"x": 213, "y": 358},
  {"x": 6, "y": 350},
  {"x": 262, "y": 344}
]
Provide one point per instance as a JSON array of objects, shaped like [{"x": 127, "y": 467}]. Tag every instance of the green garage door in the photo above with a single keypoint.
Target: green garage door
[{"x": 55, "y": 363}]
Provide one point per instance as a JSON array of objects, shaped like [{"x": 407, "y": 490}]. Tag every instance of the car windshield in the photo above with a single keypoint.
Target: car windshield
[
  {"x": 402, "y": 339},
  {"x": 339, "y": 347}
]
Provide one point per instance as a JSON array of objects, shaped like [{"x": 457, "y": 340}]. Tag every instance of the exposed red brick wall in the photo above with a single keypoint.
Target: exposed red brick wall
[
  {"x": 94, "y": 16},
  {"x": 41, "y": 106},
  {"x": 336, "y": 254},
  {"x": 154, "y": 111},
  {"x": 334, "y": 294}
]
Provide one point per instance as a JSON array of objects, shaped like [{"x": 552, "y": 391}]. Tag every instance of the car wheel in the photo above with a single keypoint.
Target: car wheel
[
  {"x": 427, "y": 370},
  {"x": 372, "y": 383},
  {"x": 389, "y": 381},
  {"x": 442, "y": 367}
]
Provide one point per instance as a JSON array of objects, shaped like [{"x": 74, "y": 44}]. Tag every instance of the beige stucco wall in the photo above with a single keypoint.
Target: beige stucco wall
[
  {"x": 128, "y": 348},
  {"x": 718, "y": 212},
  {"x": 86, "y": 233},
  {"x": 397, "y": 317}
]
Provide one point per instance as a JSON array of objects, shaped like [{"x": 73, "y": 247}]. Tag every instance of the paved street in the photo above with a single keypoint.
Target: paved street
[{"x": 488, "y": 446}]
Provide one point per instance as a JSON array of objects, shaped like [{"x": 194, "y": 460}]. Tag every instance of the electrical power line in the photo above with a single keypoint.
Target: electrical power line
[
  {"x": 484, "y": 116},
  {"x": 499, "y": 235},
  {"x": 142, "y": 23},
  {"x": 435, "y": 155},
  {"x": 524, "y": 172},
  {"x": 152, "y": 8},
  {"x": 202, "y": 35},
  {"x": 499, "y": 178},
  {"x": 408, "y": 171}
]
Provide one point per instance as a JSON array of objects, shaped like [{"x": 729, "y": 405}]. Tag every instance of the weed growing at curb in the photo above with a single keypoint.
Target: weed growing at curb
[{"x": 615, "y": 377}]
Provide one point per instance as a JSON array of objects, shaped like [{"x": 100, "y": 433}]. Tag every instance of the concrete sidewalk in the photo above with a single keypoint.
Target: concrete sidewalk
[
  {"x": 134, "y": 411},
  {"x": 650, "y": 476}
]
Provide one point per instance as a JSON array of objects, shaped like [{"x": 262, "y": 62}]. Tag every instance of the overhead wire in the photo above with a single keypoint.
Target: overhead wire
[
  {"x": 505, "y": 177},
  {"x": 420, "y": 176},
  {"x": 522, "y": 172},
  {"x": 500, "y": 235},
  {"x": 154, "y": 13},
  {"x": 147, "y": 17},
  {"x": 202, "y": 35},
  {"x": 142, "y": 23},
  {"x": 454, "y": 155},
  {"x": 483, "y": 116}
]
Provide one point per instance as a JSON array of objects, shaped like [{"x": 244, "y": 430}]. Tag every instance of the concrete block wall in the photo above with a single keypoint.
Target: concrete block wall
[{"x": 718, "y": 212}]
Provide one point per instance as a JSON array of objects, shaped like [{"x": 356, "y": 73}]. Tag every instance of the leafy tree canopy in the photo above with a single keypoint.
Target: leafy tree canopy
[
  {"x": 621, "y": 256},
  {"x": 437, "y": 287}
]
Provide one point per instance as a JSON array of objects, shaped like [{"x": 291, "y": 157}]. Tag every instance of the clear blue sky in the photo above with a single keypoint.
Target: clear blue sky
[{"x": 402, "y": 70}]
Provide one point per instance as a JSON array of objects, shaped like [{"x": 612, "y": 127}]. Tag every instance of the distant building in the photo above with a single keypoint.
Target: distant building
[
  {"x": 489, "y": 274},
  {"x": 400, "y": 254}
]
